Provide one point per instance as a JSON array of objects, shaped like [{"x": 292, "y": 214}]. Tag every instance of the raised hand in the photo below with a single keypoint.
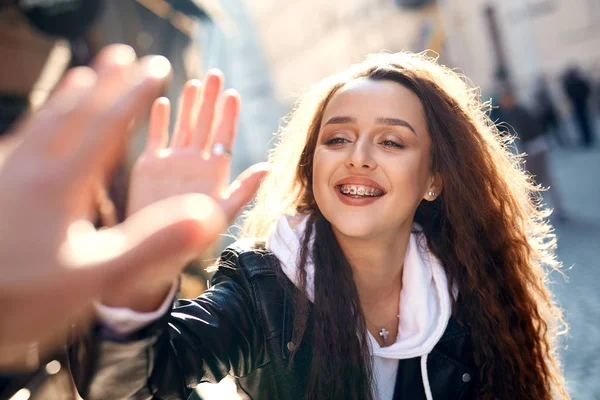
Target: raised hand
[
  {"x": 53, "y": 262},
  {"x": 197, "y": 160},
  {"x": 198, "y": 157}
]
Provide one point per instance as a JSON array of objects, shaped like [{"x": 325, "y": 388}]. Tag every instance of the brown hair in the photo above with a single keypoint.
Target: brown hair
[{"x": 486, "y": 227}]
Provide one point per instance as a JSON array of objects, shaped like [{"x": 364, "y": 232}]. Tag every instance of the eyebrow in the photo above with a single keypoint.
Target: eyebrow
[
  {"x": 380, "y": 121},
  {"x": 341, "y": 120},
  {"x": 395, "y": 121}
]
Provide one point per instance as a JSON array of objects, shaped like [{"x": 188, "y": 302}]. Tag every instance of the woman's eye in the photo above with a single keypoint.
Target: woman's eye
[
  {"x": 392, "y": 144},
  {"x": 336, "y": 141}
]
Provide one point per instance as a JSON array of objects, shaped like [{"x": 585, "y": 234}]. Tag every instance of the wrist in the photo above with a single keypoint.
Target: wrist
[{"x": 143, "y": 300}]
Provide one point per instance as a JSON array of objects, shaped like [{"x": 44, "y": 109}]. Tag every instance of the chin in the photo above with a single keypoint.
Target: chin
[{"x": 354, "y": 226}]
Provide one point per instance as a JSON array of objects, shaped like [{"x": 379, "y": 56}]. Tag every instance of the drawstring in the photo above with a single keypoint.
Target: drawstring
[{"x": 425, "y": 377}]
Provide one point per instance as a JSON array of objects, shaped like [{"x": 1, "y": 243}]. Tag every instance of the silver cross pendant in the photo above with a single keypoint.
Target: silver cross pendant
[{"x": 384, "y": 334}]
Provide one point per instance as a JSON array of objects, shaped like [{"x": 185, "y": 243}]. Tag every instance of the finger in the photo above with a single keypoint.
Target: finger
[
  {"x": 71, "y": 116},
  {"x": 71, "y": 80},
  {"x": 241, "y": 191},
  {"x": 213, "y": 84},
  {"x": 47, "y": 124},
  {"x": 105, "y": 139},
  {"x": 58, "y": 122},
  {"x": 186, "y": 119},
  {"x": 158, "y": 128},
  {"x": 113, "y": 56},
  {"x": 176, "y": 228},
  {"x": 226, "y": 127},
  {"x": 168, "y": 232}
]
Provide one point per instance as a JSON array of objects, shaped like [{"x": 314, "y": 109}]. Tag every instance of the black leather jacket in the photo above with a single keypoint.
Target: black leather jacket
[{"x": 242, "y": 326}]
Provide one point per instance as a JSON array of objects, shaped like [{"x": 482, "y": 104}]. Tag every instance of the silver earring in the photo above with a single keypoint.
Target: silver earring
[{"x": 431, "y": 194}]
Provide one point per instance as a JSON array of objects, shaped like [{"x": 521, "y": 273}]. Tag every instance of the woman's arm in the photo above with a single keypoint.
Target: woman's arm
[{"x": 200, "y": 340}]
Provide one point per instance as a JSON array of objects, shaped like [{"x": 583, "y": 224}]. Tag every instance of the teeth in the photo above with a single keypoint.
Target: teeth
[{"x": 355, "y": 190}]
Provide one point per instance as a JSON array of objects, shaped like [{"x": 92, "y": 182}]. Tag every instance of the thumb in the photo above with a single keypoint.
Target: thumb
[
  {"x": 174, "y": 229},
  {"x": 241, "y": 191},
  {"x": 42, "y": 308}
]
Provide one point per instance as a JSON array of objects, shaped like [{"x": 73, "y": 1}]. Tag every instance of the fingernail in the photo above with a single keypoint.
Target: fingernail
[
  {"x": 200, "y": 207},
  {"x": 232, "y": 93},
  {"x": 262, "y": 166},
  {"x": 215, "y": 72},
  {"x": 83, "y": 77},
  {"x": 235, "y": 185},
  {"x": 124, "y": 55},
  {"x": 162, "y": 102},
  {"x": 194, "y": 82},
  {"x": 158, "y": 67},
  {"x": 79, "y": 82}
]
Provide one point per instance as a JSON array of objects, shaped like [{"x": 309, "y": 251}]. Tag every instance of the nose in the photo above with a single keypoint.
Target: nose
[{"x": 361, "y": 157}]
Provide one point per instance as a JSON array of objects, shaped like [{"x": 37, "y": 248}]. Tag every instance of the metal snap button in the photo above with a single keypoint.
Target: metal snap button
[
  {"x": 466, "y": 377},
  {"x": 290, "y": 346}
]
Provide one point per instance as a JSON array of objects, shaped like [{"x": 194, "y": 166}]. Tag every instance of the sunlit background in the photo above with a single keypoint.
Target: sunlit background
[{"x": 271, "y": 50}]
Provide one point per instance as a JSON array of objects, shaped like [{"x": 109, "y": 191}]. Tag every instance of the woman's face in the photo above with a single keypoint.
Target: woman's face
[{"x": 372, "y": 159}]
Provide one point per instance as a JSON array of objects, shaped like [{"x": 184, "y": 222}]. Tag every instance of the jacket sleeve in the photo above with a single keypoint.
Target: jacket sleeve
[{"x": 200, "y": 340}]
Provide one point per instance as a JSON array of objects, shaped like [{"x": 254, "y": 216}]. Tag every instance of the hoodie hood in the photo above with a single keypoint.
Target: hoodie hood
[{"x": 425, "y": 304}]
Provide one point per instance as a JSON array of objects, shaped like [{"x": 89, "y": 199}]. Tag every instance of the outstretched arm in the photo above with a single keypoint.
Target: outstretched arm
[{"x": 200, "y": 340}]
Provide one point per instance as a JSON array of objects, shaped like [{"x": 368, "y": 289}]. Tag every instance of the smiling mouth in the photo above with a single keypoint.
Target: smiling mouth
[{"x": 359, "y": 191}]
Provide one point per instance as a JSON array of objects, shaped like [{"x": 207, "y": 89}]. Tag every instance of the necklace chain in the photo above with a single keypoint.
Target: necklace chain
[
  {"x": 383, "y": 332},
  {"x": 375, "y": 325}
]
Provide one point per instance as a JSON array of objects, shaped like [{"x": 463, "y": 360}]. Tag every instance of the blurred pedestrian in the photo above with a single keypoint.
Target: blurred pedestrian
[
  {"x": 548, "y": 113},
  {"x": 578, "y": 91},
  {"x": 393, "y": 251},
  {"x": 534, "y": 142}
]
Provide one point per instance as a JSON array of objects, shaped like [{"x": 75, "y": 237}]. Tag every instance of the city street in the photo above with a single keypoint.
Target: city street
[{"x": 577, "y": 175}]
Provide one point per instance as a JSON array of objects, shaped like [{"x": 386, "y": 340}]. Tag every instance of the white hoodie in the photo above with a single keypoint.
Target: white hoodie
[{"x": 425, "y": 305}]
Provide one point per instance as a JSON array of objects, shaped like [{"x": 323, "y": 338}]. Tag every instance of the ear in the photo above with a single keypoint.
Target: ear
[{"x": 434, "y": 189}]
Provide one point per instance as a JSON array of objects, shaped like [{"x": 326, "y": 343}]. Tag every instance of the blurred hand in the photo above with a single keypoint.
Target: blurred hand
[
  {"x": 53, "y": 262},
  {"x": 197, "y": 160}
]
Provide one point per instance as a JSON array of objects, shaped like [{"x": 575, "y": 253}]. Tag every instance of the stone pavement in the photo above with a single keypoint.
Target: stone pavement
[{"x": 577, "y": 179}]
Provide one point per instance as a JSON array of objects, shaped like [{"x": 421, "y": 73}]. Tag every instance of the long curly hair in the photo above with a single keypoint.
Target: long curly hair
[{"x": 487, "y": 227}]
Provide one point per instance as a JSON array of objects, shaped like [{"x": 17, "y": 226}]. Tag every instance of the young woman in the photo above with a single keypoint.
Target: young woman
[{"x": 395, "y": 250}]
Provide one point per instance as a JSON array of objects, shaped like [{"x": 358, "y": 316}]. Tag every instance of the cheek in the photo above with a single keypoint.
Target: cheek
[
  {"x": 412, "y": 177},
  {"x": 321, "y": 168}
]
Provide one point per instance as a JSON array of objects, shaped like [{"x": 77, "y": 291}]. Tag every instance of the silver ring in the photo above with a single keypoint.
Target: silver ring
[{"x": 219, "y": 149}]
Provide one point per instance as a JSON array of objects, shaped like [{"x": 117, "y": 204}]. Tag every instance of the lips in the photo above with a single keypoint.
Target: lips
[
  {"x": 358, "y": 191},
  {"x": 360, "y": 181}
]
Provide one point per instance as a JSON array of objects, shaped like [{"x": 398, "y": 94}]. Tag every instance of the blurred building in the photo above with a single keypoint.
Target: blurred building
[
  {"x": 518, "y": 40},
  {"x": 490, "y": 40},
  {"x": 306, "y": 40}
]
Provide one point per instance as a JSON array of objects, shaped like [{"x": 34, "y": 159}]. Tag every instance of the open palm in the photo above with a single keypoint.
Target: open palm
[{"x": 197, "y": 159}]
